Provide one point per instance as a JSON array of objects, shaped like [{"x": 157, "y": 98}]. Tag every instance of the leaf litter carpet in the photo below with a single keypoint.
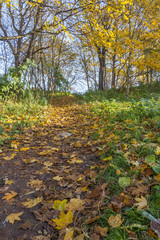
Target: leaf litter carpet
[{"x": 46, "y": 167}]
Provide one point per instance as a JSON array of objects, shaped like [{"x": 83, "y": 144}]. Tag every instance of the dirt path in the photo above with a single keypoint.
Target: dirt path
[{"x": 50, "y": 162}]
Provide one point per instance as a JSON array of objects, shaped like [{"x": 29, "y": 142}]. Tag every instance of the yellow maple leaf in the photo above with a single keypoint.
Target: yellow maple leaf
[
  {"x": 59, "y": 204},
  {"x": 14, "y": 217},
  {"x": 9, "y": 182},
  {"x": 32, "y": 202},
  {"x": 141, "y": 203},
  {"x": 35, "y": 183},
  {"x": 115, "y": 221},
  {"x": 10, "y": 195},
  {"x": 64, "y": 219}
]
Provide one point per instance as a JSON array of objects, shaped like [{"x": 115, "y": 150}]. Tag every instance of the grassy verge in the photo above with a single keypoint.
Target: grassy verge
[
  {"x": 16, "y": 117},
  {"x": 129, "y": 136}
]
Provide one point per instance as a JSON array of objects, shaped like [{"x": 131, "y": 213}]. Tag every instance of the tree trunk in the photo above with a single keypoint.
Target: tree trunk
[
  {"x": 102, "y": 65},
  {"x": 113, "y": 84}
]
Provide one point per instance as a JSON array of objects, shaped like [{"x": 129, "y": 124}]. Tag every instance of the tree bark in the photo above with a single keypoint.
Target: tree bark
[{"x": 102, "y": 65}]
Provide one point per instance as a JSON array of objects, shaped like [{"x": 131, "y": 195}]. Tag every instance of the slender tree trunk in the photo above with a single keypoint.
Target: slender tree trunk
[
  {"x": 147, "y": 75},
  {"x": 113, "y": 84},
  {"x": 128, "y": 76},
  {"x": 102, "y": 65}
]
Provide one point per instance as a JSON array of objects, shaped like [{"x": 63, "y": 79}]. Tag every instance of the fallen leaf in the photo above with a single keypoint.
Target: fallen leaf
[
  {"x": 158, "y": 177},
  {"x": 59, "y": 204},
  {"x": 14, "y": 217},
  {"x": 78, "y": 144},
  {"x": 35, "y": 183},
  {"x": 32, "y": 202},
  {"x": 91, "y": 220},
  {"x": 24, "y": 226},
  {"x": 9, "y": 182},
  {"x": 107, "y": 159},
  {"x": 80, "y": 237},
  {"x": 101, "y": 231},
  {"x": 157, "y": 152},
  {"x": 10, "y": 195},
  {"x": 32, "y": 160},
  {"x": 46, "y": 152},
  {"x": 124, "y": 181},
  {"x": 150, "y": 159},
  {"x": 142, "y": 203},
  {"x": 57, "y": 178},
  {"x": 48, "y": 164},
  {"x": 94, "y": 236},
  {"x": 55, "y": 149},
  {"x": 64, "y": 219},
  {"x": 69, "y": 234},
  {"x": 75, "y": 204},
  {"x": 115, "y": 221},
  {"x": 24, "y": 149},
  {"x": 14, "y": 144},
  {"x": 9, "y": 157}
]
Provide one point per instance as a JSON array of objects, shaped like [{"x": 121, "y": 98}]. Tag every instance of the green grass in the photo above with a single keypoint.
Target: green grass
[
  {"x": 129, "y": 132},
  {"x": 16, "y": 116}
]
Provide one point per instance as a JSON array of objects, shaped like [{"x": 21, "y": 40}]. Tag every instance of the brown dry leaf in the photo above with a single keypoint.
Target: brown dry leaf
[
  {"x": 32, "y": 160},
  {"x": 37, "y": 184},
  {"x": 91, "y": 220},
  {"x": 115, "y": 221},
  {"x": 57, "y": 178},
  {"x": 14, "y": 217},
  {"x": 94, "y": 236},
  {"x": 24, "y": 226},
  {"x": 32, "y": 202},
  {"x": 10, "y": 195},
  {"x": 101, "y": 231},
  {"x": 95, "y": 193},
  {"x": 142, "y": 203},
  {"x": 138, "y": 191},
  {"x": 75, "y": 204}
]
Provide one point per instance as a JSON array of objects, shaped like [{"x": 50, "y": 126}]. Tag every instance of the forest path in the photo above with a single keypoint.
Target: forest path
[{"x": 52, "y": 161}]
